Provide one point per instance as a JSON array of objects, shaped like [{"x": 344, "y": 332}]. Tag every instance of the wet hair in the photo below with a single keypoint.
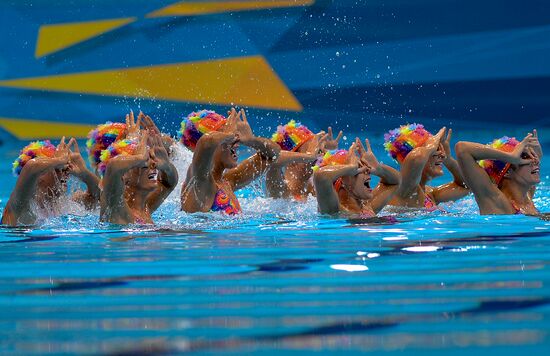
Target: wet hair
[
  {"x": 32, "y": 150},
  {"x": 196, "y": 124},
  {"x": 401, "y": 141}
]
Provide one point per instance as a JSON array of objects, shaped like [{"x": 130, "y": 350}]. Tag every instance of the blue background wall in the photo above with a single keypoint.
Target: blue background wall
[{"x": 355, "y": 64}]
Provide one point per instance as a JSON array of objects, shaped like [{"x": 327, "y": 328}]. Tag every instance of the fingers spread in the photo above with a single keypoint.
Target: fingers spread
[{"x": 367, "y": 143}]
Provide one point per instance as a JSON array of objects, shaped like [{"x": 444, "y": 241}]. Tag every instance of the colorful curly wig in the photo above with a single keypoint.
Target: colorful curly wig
[
  {"x": 123, "y": 147},
  {"x": 497, "y": 169},
  {"x": 32, "y": 150},
  {"x": 402, "y": 140},
  {"x": 102, "y": 137},
  {"x": 197, "y": 124},
  {"x": 332, "y": 158},
  {"x": 292, "y": 135}
]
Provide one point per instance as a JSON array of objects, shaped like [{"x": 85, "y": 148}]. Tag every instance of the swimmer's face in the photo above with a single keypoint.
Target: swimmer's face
[
  {"x": 360, "y": 185},
  {"x": 226, "y": 154},
  {"x": 526, "y": 174},
  {"x": 434, "y": 166},
  {"x": 143, "y": 178}
]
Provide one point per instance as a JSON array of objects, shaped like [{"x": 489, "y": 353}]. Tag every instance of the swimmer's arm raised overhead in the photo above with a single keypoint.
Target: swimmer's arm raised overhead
[
  {"x": 168, "y": 174},
  {"x": 413, "y": 165},
  {"x": 248, "y": 170},
  {"x": 276, "y": 185},
  {"x": 389, "y": 177},
  {"x": 323, "y": 180},
  {"x": 485, "y": 192},
  {"x": 537, "y": 148},
  {"x": 199, "y": 187},
  {"x": 25, "y": 188},
  {"x": 457, "y": 188},
  {"x": 112, "y": 196},
  {"x": 78, "y": 168}
]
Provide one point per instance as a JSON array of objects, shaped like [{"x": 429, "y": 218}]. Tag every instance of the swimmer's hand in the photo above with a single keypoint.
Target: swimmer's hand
[
  {"x": 433, "y": 142},
  {"x": 357, "y": 161},
  {"x": 446, "y": 143},
  {"x": 231, "y": 123},
  {"x": 522, "y": 154},
  {"x": 159, "y": 151},
  {"x": 535, "y": 144},
  {"x": 366, "y": 154},
  {"x": 243, "y": 127},
  {"x": 132, "y": 126},
  {"x": 331, "y": 143},
  {"x": 148, "y": 124},
  {"x": 77, "y": 166},
  {"x": 60, "y": 159}
]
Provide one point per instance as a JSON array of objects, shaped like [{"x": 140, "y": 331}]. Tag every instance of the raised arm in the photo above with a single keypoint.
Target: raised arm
[
  {"x": 537, "y": 148},
  {"x": 248, "y": 170},
  {"x": 468, "y": 153},
  {"x": 457, "y": 188},
  {"x": 167, "y": 176},
  {"x": 25, "y": 188},
  {"x": 112, "y": 196},
  {"x": 389, "y": 177},
  {"x": 413, "y": 165},
  {"x": 276, "y": 184},
  {"x": 323, "y": 180},
  {"x": 78, "y": 169}
]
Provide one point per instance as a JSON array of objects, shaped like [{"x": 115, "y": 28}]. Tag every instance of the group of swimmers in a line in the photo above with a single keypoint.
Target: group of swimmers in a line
[{"x": 133, "y": 173}]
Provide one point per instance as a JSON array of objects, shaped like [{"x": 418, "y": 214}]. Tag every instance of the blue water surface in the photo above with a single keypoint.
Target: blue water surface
[{"x": 279, "y": 278}]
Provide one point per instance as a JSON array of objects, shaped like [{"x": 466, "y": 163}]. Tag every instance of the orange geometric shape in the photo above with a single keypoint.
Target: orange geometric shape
[
  {"x": 245, "y": 81},
  {"x": 25, "y": 129},
  {"x": 53, "y": 38},
  {"x": 193, "y": 8}
]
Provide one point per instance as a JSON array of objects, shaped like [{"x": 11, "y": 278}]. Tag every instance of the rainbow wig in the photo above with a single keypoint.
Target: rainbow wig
[
  {"x": 332, "y": 158},
  {"x": 497, "y": 169},
  {"x": 32, "y": 150},
  {"x": 292, "y": 135},
  {"x": 197, "y": 124},
  {"x": 402, "y": 140},
  {"x": 101, "y": 137},
  {"x": 123, "y": 147}
]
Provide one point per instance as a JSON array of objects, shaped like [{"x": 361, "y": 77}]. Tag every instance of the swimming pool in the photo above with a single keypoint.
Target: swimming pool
[{"x": 279, "y": 278}]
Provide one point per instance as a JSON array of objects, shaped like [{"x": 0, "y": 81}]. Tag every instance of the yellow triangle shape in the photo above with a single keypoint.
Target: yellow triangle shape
[
  {"x": 52, "y": 38},
  {"x": 245, "y": 81},
  {"x": 25, "y": 129},
  {"x": 192, "y": 8}
]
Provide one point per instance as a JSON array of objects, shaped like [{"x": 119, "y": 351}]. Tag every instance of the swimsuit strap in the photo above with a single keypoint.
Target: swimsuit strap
[
  {"x": 223, "y": 202},
  {"x": 516, "y": 208}
]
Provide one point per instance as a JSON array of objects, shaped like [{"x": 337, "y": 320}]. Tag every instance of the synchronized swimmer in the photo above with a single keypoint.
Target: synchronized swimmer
[{"x": 132, "y": 171}]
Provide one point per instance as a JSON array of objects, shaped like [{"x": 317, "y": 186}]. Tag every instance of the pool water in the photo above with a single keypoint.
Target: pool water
[{"x": 279, "y": 278}]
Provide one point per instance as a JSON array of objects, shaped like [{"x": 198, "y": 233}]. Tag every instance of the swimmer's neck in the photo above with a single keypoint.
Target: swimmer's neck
[
  {"x": 136, "y": 199},
  {"x": 424, "y": 180},
  {"x": 350, "y": 202},
  {"x": 519, "y": 193}
]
